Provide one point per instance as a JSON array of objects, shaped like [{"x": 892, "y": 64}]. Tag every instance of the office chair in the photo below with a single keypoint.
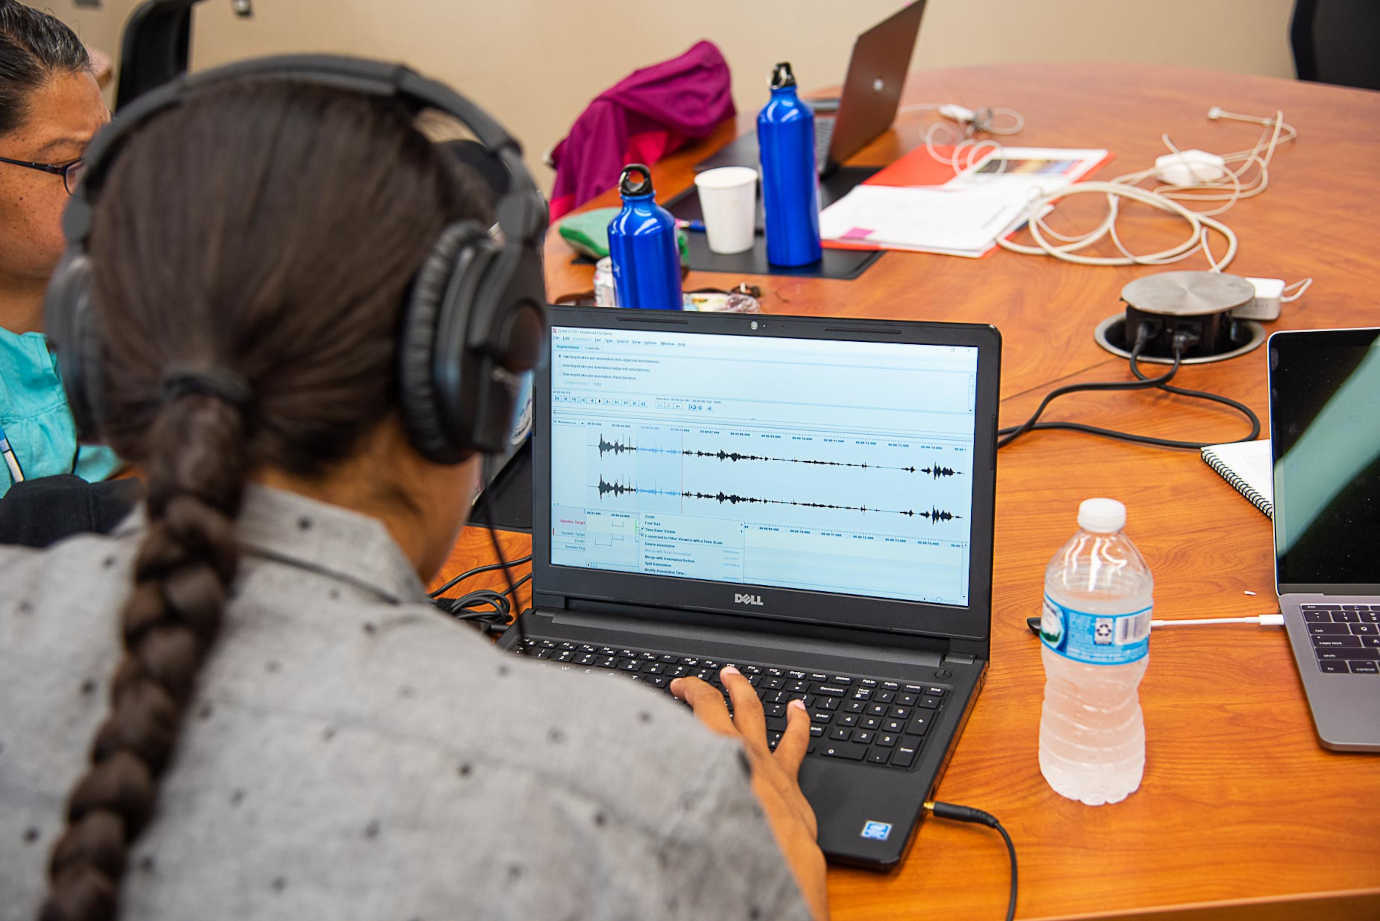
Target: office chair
[
  {"x": 153, "y": 48},
  {"x": 1334, "y": 41}
]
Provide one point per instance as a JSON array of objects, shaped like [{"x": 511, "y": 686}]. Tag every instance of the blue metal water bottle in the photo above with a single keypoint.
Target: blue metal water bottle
[
  {"x": 790, "y": 183},
  {"x": 643, "y": 248}
]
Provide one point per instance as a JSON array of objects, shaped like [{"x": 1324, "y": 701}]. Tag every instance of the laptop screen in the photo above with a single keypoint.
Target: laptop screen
[
  {"x": 822, "y": 465},
  {"x": 1324, "y": 394}
]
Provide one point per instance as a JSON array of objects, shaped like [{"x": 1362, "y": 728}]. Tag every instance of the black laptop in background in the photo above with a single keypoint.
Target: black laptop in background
[
  {"x": 808, "y": 499},
  {"x": 867, "y": 106},
  {"x": 1325, "y": 446}
]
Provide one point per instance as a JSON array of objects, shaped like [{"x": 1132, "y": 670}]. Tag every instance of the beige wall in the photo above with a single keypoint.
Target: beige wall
[{"x": 536, "y": 63}]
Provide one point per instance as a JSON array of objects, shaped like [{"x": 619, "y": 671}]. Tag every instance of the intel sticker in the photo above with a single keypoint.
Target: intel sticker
[{"x": 877, "y": 831}]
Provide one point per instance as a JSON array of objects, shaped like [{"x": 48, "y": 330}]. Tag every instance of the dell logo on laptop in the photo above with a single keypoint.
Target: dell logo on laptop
[{"x": 741, "y": 598}]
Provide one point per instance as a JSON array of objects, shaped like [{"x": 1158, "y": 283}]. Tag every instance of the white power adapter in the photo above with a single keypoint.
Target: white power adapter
[
  {"x": 956, "y": 112},
  {"x": 1269, "y": 293},
  {"x": 1189, "y": 167}
]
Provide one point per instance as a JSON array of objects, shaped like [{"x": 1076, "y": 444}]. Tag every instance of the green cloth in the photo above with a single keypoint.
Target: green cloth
[
  {"x": 35, "y": 417},
  {"x": 588, "y": 233}
]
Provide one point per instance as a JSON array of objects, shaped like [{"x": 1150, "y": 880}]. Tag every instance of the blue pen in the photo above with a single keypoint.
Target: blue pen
[
  {"x": 692, "y": 226},
  {"x": 11, "y": 461}
]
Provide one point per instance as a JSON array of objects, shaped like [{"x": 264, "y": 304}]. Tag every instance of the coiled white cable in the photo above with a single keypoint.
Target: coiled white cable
[
  {"x": 1068, "y": 250},
  {"x": 1227, "y": 187},
  {"x": 1246, "y": 175},
  {"x": 968, "y": 149}
]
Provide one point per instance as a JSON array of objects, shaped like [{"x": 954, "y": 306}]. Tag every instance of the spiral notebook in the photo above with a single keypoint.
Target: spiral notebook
[{"x": 1246, "y": 466}]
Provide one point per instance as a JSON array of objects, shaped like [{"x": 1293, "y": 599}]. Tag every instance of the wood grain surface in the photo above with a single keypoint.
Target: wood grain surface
[{"x": 1241, "y": 813}]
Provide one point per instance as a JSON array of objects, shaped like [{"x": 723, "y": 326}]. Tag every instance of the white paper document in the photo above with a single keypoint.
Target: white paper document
[
  {"x": 960, "y": 221},
  {"x": 963, "y": 217}
]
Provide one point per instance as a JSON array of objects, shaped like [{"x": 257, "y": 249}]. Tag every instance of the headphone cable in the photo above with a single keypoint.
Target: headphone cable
[
  {"x": 488, "y": 609},
  {"x": 977, "y": 816},
  {"x": 476, "y": 571},
  {"x": 486, "y": 510}
]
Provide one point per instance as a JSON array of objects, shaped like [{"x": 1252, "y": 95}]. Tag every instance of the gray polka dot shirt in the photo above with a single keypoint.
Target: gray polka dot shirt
[{"x": 352, "y": 754}]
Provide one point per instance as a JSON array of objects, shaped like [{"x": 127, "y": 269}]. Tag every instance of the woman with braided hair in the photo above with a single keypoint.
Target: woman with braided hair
[{"x": 239, "y": 704}]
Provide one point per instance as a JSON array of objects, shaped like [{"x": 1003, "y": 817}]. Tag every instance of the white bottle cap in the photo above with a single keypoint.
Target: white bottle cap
[{"x": 1101, "y": 516}]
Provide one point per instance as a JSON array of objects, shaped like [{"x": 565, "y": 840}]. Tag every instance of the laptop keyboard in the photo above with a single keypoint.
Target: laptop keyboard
[
  {"x": 1346, "y": 637},
  {"x": 852, "y": 717},
  {"x": 824, "y": 136}
]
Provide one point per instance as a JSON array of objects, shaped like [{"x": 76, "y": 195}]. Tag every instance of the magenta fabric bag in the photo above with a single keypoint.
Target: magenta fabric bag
[{"x": 643, "y": 117}]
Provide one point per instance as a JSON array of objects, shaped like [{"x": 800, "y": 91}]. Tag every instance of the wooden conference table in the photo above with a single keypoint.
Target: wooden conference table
[{"x": 1241, "y": 813}]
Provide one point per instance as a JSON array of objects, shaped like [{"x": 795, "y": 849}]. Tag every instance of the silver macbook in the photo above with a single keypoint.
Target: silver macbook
[
  {"x": 1325, "y": 444},
  {"x": 867, "y": 106}
]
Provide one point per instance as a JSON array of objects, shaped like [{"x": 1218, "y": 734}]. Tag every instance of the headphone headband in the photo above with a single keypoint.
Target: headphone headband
[{"x": 474, "y": 324}]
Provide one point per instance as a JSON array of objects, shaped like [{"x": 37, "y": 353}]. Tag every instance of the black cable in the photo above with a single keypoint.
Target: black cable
[
  {"x": 487, "y": 511},
  {"x": 1181, "y": 341},
  {"x": 476, "y": 571},
  {"x": 1214, "y": 397},
  {"x": 485, "y": 608},
  {"x": 977, "y": 816}
]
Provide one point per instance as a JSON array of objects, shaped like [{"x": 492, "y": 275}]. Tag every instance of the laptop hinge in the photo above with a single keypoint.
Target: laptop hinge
[
  {"x": 547, "y": 601},
  {"x": 958, "y": 658}
]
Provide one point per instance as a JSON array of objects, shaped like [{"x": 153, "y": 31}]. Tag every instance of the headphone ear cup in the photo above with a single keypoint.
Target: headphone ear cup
[
  {"x": 507, "y": 340},
  {"x": 69, "y": 323},
  {"x": 426, "y": 310}
]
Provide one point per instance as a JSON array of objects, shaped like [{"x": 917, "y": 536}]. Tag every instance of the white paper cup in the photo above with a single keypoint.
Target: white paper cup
[{"x": 728, "y": 201}]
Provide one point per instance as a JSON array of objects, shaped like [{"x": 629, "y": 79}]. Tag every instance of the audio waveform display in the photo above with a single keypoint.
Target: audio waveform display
[
  {"x": 619, "y": 489},
  {"x": 617, "y": 447},
  {"x": 621, "y": 447}
]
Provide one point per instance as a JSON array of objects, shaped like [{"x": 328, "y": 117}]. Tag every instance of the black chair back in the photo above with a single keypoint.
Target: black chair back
[{"x": 1334, "y": 41}]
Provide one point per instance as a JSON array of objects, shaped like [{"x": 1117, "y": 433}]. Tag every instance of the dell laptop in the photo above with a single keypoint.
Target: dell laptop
[
  {"x": 867, "y": 106},
  {"x": 1325, "y": 446},
  {"x": 808, "y": 499}
]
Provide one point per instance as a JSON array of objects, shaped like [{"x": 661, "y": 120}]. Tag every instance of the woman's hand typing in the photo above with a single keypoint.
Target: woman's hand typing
[{"x": 774, "y": 773}]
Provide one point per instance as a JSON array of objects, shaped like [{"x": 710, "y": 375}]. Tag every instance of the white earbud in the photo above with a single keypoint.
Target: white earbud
[{"x": 1217, "y": 112}]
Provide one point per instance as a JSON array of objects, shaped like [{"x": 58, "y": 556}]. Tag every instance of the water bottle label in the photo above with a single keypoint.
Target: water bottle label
[{"x": 1095, "y": 639}]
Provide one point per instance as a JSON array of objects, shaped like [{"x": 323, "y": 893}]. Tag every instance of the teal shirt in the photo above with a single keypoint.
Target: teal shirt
[{"x": 35, "y": 417}]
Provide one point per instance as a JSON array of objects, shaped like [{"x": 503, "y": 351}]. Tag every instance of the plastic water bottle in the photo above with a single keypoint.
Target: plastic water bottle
[
  {"x": 790, "y": 182},
  {"x": 1095, "y": 634},
  {"x": 643, "y": 246}
]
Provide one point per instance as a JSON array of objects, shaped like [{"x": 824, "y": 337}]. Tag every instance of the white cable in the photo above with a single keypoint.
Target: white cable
[
  {"x": 1246, "y": 174},
  {"x": 1200, "y": 225},
  {"x": 1295, "y": 290},
  {"x": 1264, "y": 620},
  {"x": 968, "y": 149},
  {"x": 987, "y": 120},
  {"x": 1234, "y": 185}
]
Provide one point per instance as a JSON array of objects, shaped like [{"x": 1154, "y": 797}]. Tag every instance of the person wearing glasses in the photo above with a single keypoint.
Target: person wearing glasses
[{"x": 50, "y": 106}]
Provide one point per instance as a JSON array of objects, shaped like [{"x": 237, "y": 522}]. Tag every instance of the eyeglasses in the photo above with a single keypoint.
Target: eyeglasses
[{"x": 70, "y": 172}]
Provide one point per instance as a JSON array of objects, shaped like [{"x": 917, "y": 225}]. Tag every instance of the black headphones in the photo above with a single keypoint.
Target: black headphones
[{"x": 474, "y": 325}]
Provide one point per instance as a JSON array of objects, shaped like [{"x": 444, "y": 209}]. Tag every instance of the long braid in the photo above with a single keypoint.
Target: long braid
[{"x": 182, "y": 574}]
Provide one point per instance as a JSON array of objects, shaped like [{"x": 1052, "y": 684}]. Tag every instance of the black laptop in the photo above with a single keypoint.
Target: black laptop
[
  {"x": 808, "y": 499},
  {"x": 871, "y": 93},
  {"x": 1325, "y": 442}
]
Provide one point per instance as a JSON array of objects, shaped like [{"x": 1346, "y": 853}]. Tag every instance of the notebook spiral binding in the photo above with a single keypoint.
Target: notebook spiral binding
[{"x": 1239, "y": 483}]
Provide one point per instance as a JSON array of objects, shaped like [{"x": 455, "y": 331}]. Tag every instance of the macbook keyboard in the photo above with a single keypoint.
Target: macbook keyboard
[
  {"x": 852, "y": 717},
  {"x": 1346, "y": 637}
]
